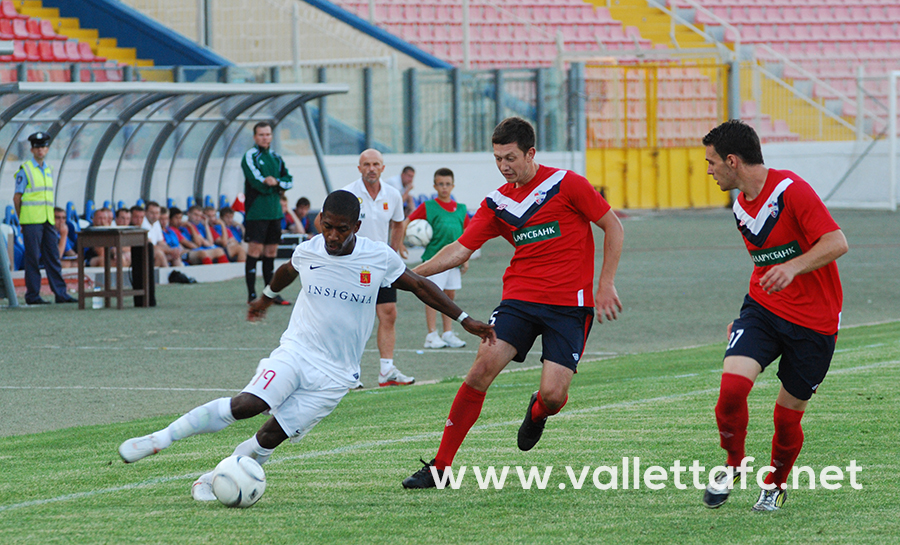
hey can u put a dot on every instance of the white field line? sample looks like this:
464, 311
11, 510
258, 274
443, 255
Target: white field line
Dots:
411, 438
268, 350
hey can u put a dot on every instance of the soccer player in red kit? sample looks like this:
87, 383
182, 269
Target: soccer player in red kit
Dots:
548, 288
793, 308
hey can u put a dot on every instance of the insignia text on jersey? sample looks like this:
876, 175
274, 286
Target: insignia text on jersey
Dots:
343, 295
776, 255
536, 233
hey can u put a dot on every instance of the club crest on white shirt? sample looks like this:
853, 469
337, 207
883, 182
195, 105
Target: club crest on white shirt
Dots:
365, 276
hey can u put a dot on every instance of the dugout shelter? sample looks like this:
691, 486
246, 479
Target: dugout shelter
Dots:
150, 141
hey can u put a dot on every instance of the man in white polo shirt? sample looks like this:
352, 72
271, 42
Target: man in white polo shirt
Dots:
381, 214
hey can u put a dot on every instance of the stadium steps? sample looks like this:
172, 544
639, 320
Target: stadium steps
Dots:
654, 24
71, 27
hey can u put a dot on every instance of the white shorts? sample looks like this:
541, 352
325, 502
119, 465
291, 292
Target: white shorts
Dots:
298, 394
451, 279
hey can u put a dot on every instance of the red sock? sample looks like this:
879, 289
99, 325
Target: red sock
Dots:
206, 261
222, 259
463, 413
786, 443
732, 415
539, 411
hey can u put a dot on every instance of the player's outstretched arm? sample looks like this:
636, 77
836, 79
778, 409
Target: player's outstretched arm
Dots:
828, 248
451, 255
283, 277
433, 296
606, 299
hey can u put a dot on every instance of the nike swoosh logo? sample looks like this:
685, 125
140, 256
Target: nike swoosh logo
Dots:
316, 267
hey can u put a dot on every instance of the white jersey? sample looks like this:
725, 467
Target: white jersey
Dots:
335, 311
154, 231
376, 214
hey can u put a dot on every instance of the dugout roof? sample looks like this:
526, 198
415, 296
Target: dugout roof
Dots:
124, 141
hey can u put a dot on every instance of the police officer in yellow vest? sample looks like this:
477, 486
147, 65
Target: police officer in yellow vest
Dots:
33, 200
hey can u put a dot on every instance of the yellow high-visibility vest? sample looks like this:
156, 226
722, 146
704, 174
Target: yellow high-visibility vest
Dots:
37, 201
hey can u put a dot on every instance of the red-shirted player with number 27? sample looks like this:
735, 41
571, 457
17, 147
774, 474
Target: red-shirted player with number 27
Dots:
548, 288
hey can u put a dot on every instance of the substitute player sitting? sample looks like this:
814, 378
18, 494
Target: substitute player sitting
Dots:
793, 309
548, 288
317, 362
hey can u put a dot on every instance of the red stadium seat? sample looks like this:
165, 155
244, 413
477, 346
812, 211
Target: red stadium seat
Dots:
8, 11
47, 32
6, 30
74, 53
45, 50
87, 55
20, 29
59, 52
31, 52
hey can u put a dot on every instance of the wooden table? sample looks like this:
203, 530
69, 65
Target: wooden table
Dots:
118, 238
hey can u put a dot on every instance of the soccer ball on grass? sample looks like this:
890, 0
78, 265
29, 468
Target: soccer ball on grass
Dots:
418, 233
238, 481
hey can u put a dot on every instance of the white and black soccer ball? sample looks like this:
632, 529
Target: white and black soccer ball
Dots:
418, 233
238, 481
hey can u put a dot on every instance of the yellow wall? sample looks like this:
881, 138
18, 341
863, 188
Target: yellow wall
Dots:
654, 178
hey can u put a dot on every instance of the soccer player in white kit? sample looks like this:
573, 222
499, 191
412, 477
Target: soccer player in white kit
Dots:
318, 359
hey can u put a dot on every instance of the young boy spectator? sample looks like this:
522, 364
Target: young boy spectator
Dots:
448, 220
67, 255
236, 229
301, 210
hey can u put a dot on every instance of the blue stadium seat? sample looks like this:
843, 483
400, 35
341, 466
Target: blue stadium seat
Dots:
107, 204
120, 205
223, 201
191, 202
170, 202
89, 211
208, 201
140, 202
18, 240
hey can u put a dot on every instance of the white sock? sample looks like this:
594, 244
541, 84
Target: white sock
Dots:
251, 448
386, 365
212, 417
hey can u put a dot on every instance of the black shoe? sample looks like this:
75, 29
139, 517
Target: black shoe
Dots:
66, 299
37, 302
279, 300
717, 494
178, 277
530, 431
251, 298
423, 477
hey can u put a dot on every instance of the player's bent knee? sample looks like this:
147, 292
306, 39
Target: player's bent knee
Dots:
245, 405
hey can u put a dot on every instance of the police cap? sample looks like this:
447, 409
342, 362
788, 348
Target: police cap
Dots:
39, 139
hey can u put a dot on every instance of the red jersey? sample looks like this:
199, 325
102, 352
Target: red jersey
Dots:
785, 220
548, 220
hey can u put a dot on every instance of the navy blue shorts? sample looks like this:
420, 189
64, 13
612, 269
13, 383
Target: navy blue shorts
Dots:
763, 336
563, 330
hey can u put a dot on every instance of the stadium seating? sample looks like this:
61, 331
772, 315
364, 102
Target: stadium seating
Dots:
828, 38
503, 34
39, 40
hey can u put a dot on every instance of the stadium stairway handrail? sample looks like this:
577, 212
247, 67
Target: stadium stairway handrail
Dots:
383, 36
771, 53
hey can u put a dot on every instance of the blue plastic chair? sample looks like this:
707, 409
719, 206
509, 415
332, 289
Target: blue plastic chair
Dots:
140, 202
170, 202
208, 201
223, 201
120, 205
108, 204
190, 202
89, 211
18, 240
